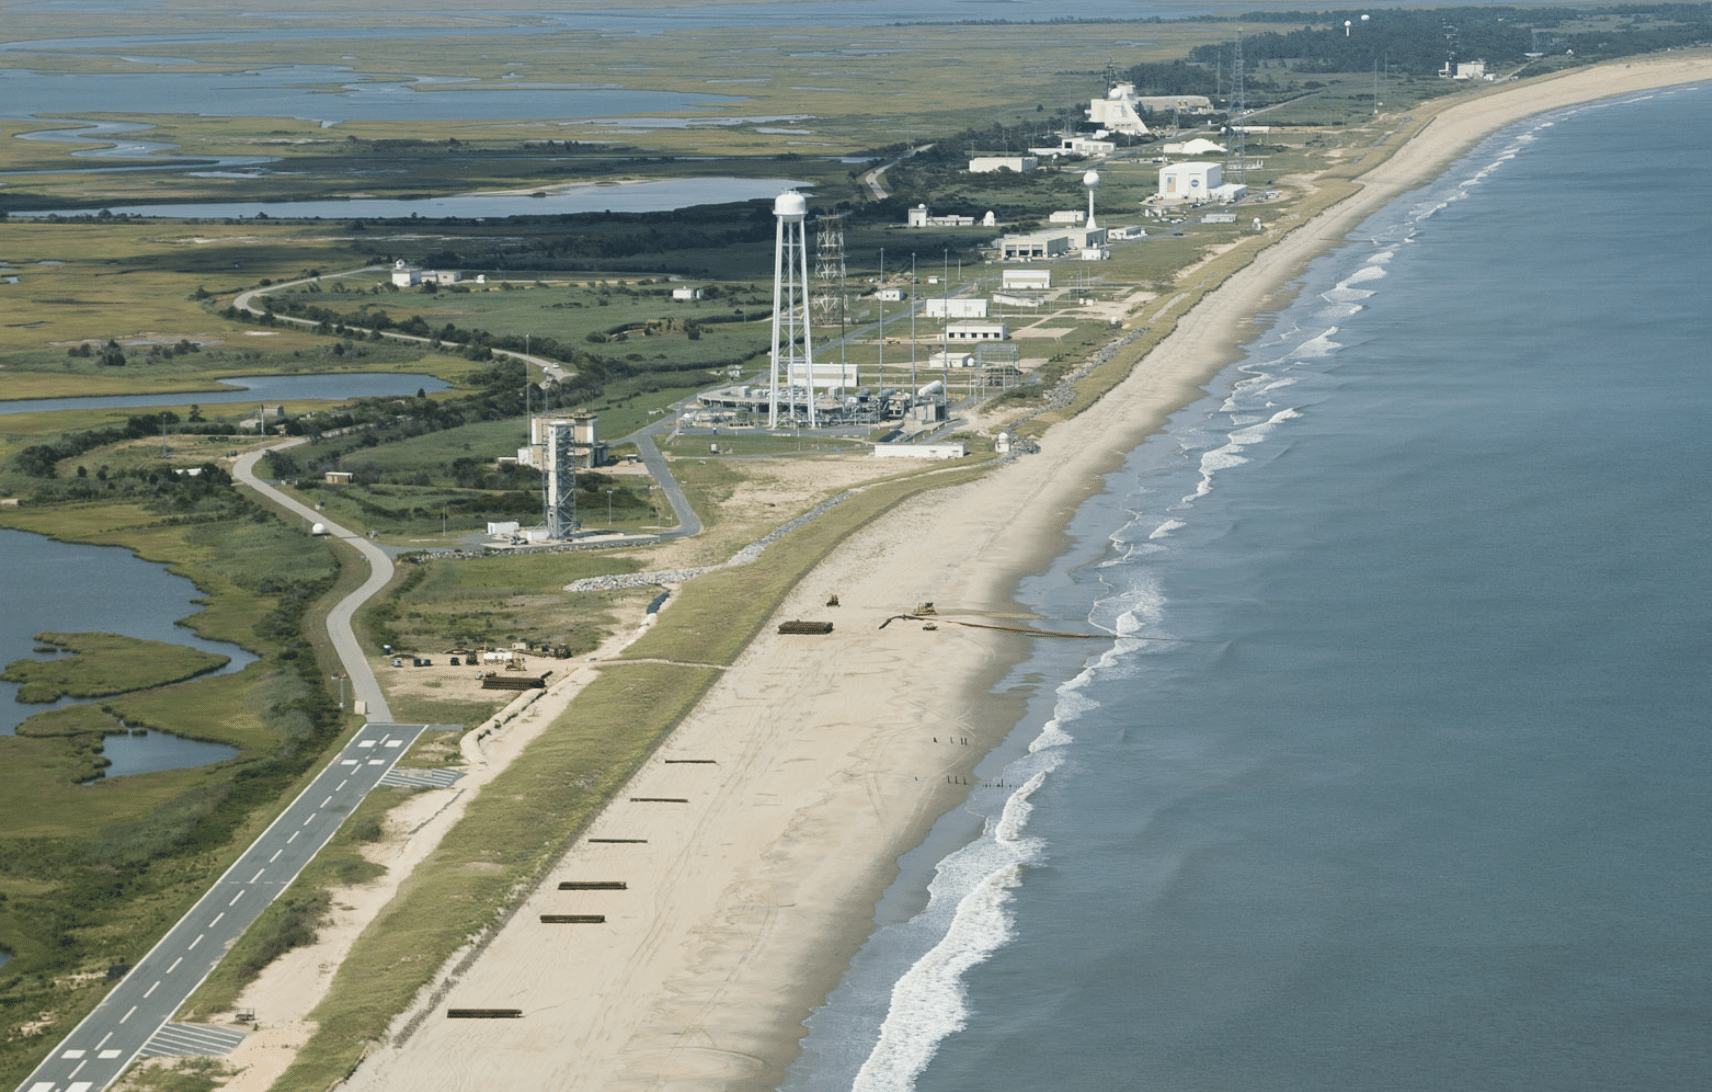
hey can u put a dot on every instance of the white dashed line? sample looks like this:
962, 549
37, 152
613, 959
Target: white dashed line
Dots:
259, 872
74, 1070
103, 1041
291, 839
151, 989
169, 970
327, 801
275, 856
343, 783
127, 1015
235, 899
192, 947
217, 918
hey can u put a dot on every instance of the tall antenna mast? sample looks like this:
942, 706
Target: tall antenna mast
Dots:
1239, 128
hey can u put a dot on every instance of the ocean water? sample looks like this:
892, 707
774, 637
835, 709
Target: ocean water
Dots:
1398, 771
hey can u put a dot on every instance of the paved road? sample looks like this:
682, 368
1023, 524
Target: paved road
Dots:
137, 1010
245, 301
364, 687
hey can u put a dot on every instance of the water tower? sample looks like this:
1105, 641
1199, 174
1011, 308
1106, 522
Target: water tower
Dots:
792, 363
1090, 180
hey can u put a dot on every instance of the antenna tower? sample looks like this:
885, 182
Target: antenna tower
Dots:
1239, 127
829, 293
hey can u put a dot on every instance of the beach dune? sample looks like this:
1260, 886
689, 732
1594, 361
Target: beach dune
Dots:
751, 870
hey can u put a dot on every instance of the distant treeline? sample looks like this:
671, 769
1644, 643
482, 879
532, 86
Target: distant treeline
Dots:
1419, 42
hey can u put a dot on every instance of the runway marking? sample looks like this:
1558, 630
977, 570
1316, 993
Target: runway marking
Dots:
193, 944
366, 743
217, 918
127, 1015
310, 818
327, 801
151, 989
342, 784
235, 899
348, 762
377, 762
41, 1086
74, 1054
169, 970
80, 1086
259, 872
109, 1055
275, 856
103, 1041
395, 743
291, 839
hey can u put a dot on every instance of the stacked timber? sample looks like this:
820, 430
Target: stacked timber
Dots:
805, 627
497, 681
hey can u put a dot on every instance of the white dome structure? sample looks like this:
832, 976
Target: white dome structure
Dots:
1090, 180
790, 206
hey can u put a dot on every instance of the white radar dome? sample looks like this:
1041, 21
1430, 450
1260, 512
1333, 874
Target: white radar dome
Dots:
318, 529
1091, 179
790, 205
1115, 93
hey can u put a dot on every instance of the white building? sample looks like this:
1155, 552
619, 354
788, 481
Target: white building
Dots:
919, 217
1016, 299
889, 295
1229, 193
955, 307
1118, 112
977, 331
1194, 104
920, 451
404, 274
1038, 244
1192, 182
686, 293
1471, 70
1075, 145
584, 448
1026, 278
1067, 216
1198, 146
989, 164
951, 360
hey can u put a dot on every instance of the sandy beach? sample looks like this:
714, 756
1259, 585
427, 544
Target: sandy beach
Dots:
754, 845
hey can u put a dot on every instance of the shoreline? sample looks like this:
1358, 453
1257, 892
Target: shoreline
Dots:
742, 908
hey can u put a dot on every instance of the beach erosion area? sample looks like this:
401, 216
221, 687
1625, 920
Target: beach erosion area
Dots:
754, 846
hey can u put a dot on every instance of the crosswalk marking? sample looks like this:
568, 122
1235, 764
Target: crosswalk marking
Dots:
188, 1040
421, 779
